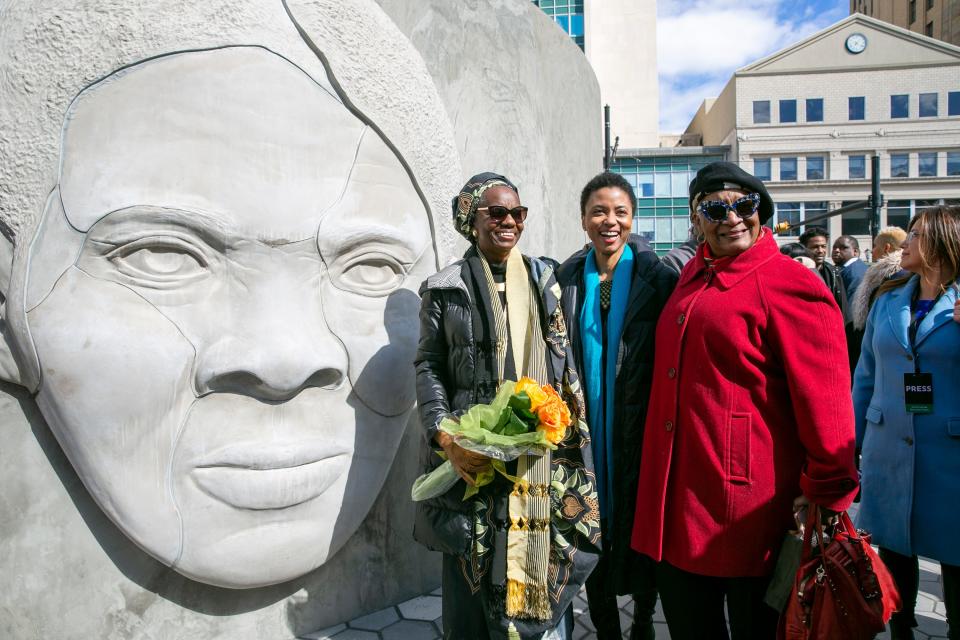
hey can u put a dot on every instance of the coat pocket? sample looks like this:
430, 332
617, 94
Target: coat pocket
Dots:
874, 414
738, 448
953, 427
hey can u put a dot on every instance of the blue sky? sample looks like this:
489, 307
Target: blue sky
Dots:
700, 43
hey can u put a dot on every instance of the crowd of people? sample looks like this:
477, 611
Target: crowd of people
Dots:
717, 392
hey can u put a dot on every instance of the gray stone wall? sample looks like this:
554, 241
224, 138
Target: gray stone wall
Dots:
523, 102
488, 84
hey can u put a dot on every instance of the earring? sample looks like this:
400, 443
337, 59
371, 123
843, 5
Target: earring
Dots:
474, 233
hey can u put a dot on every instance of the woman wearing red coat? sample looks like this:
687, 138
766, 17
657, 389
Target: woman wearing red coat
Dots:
750, 412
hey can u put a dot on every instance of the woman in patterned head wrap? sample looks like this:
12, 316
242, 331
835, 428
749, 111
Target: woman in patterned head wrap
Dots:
509, 566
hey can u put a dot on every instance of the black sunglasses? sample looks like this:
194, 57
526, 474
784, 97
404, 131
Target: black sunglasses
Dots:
716, 210
498, 213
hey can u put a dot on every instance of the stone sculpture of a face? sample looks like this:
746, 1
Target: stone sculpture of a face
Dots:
221, 299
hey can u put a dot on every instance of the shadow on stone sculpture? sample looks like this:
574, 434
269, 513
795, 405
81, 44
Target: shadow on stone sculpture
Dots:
214, 311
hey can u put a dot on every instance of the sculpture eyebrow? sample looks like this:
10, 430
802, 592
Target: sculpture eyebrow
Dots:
342, 240
210, 226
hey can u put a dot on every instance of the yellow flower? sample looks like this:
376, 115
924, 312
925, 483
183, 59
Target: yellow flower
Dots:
554, 416
533, 391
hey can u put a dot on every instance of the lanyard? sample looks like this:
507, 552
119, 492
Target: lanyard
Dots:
916, 317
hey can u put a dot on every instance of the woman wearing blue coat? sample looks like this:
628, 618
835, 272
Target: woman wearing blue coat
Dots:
906, 394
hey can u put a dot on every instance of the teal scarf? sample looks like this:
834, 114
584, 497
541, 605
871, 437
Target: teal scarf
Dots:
601, 373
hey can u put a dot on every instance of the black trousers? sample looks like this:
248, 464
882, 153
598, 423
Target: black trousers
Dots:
906, 573
693, 606
604, 612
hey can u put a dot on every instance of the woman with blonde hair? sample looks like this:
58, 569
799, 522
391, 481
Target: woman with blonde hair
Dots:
908, 415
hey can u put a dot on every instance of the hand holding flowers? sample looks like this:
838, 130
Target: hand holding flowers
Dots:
524, 418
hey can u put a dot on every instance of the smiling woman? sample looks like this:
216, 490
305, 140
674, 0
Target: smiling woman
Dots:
744, 426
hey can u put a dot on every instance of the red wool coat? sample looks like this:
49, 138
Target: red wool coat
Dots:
750, 407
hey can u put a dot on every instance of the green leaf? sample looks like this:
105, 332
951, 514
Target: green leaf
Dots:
515, 426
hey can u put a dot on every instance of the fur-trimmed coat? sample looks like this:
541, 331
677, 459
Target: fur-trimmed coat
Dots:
879, 272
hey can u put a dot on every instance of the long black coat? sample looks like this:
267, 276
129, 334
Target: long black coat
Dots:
653, 282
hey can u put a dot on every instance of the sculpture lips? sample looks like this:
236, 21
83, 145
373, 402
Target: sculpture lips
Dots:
265, 477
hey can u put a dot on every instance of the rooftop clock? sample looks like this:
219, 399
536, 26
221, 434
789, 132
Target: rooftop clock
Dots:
856, 43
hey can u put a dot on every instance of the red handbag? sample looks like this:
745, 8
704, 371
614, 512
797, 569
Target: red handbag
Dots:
841, 590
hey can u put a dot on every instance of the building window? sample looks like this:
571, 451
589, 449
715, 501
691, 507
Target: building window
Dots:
856, 108
814, 109
898, 213
761, 111
794, 212
929, 4
662, 184
928, 30
788, 168
761, 168
928, 105
953, 163
927, 166
856, 222
900, 106
814, 167
858, 167
913, 11
899, 165
789, 212
953, 103
788, 111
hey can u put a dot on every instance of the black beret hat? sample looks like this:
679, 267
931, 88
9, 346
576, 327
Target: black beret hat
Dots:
721, 176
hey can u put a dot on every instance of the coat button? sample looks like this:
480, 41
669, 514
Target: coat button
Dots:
668, 425
681, 318
909, 357
909, 441
671, 373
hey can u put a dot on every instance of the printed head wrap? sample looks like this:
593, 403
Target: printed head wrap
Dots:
466, 202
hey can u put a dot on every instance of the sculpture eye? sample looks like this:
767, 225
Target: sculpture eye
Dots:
372, 275
159, 260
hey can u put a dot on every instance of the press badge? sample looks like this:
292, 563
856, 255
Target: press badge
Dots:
918, 392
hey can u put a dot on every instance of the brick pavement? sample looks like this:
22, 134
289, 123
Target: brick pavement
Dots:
419, 618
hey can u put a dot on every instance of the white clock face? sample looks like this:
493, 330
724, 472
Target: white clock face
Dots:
856, 43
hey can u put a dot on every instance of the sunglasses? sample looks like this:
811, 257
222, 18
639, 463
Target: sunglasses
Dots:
716, 210
497, 213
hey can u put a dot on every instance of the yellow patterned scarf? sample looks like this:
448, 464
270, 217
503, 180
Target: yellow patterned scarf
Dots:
528, 539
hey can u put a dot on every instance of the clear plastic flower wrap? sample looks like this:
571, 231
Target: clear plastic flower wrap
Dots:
523, 419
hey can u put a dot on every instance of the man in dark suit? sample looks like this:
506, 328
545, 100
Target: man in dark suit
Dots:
846, 255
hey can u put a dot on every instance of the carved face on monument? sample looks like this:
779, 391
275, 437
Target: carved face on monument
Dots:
221, 299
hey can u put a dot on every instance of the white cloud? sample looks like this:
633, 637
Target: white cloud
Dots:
679, 101
716, 40
701, 43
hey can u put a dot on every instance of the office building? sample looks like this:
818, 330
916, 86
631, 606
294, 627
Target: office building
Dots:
938, 19
619, 38
808, 118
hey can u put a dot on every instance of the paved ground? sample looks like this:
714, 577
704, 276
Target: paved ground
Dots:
419, 619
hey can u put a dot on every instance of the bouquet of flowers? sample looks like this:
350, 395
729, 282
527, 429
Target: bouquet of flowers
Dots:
523, 419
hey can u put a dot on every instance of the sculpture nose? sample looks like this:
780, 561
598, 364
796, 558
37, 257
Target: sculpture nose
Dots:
278, 345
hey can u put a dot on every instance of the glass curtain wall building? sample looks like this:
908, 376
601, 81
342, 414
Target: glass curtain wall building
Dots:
661, 182
568, 14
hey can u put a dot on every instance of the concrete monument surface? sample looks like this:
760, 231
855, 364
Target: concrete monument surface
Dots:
218, 214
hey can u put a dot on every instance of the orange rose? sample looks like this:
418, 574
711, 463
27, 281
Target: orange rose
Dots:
554, 416
533, 391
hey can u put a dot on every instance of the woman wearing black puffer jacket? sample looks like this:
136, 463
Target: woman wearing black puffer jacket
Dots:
494, 316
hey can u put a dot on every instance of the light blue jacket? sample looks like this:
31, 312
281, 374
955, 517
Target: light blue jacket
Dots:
910, 462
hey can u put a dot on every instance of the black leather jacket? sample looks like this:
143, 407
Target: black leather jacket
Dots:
653, 282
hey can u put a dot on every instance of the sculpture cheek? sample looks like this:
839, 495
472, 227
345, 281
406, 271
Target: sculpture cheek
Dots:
380, 335
115, 388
